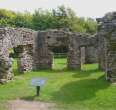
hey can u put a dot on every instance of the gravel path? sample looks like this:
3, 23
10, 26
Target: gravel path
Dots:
29, 105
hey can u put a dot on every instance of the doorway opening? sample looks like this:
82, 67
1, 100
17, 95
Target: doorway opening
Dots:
60, 57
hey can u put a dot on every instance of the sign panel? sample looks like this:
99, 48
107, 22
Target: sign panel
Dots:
38, 81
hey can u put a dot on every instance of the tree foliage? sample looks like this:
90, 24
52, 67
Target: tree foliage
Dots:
60, 17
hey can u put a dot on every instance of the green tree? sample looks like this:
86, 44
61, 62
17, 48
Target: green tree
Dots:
23, 20
7, 17
42, 19
90, 25
61, 17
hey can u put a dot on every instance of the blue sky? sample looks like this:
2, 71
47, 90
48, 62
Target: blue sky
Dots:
83, 8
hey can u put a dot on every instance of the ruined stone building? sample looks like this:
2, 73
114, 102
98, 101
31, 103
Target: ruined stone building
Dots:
35, 48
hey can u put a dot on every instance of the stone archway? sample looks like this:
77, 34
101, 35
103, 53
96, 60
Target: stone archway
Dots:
89, 55
44, 42
9, 38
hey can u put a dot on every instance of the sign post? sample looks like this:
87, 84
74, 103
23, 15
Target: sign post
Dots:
38, 82
37, 90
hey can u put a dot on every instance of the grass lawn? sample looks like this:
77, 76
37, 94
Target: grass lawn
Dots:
69, 89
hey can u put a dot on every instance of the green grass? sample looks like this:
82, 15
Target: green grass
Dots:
68, 89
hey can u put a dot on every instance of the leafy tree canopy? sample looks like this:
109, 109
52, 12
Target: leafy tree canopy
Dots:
61, 17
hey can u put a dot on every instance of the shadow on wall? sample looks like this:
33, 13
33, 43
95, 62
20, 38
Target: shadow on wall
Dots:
80, 90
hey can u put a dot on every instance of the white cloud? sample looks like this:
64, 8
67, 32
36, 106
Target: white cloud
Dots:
86, 8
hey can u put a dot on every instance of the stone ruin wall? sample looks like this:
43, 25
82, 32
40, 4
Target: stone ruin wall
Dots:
87, 47
25, 59
42, 57
15, 37
107, 32
34, 49
91, 55
44, 41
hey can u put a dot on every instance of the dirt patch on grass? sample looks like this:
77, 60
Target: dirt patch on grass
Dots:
29, 105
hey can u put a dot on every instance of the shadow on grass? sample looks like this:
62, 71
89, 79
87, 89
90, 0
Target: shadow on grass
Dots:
80, 90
